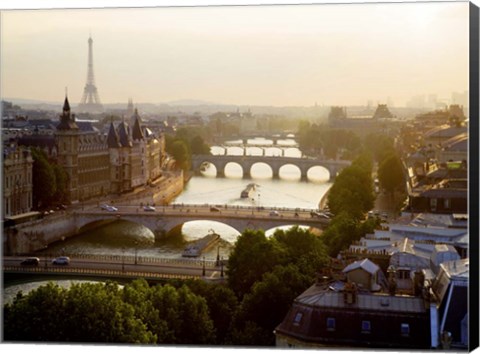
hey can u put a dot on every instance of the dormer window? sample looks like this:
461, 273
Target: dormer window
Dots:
366, 327
330, 324
405, 330
297, 319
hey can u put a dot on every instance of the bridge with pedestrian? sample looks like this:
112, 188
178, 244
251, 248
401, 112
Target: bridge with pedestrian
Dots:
275, 162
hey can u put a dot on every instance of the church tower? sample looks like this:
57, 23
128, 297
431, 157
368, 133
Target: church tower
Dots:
67, 137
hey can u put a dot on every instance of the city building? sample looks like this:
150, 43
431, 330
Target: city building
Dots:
419, 308
99, 164
451, 293
17, 180
450, 196
347, 313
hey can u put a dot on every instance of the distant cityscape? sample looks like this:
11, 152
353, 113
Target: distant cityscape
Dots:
383, 263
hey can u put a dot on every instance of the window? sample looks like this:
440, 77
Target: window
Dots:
297, 319
433, 204
405, 329
366, 327
446, 203
330, 324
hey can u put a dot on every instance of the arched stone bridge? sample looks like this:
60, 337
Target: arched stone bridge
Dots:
275, 163
162, 221
38, 234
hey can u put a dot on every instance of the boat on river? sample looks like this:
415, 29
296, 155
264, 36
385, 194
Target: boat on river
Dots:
249, 191
195, 249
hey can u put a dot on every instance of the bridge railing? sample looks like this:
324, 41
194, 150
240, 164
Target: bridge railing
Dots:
129, 259
97, 272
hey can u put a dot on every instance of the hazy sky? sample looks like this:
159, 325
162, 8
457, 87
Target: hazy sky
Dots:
248, 55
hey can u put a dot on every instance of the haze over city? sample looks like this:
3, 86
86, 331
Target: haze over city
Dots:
250, 55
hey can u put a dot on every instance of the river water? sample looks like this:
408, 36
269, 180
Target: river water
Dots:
288, 191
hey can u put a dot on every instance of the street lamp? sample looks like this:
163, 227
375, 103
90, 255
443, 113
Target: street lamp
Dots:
221, 268
46, 256
203, 270
123, 259
218, 255
136, 245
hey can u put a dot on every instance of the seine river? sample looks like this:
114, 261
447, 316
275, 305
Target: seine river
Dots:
288, 191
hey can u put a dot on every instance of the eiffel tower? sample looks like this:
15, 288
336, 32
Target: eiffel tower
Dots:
90, 102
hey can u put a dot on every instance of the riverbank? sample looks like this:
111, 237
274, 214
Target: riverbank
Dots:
323, 202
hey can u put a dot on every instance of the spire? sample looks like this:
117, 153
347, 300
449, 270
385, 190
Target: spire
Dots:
66, 105
67, 120
112, 137
137, 133
123, 135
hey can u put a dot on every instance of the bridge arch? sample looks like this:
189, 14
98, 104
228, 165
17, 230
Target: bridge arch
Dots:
256, 165
227, 232
323, 173
274, 151
290, 175
333, 166
95, 223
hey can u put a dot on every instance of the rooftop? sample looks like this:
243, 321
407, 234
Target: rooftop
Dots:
326, 296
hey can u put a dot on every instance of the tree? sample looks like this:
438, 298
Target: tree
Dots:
221, 301
61, 179
198, 146
378, 145
352, 192
344, 229
390, 173
302, 248
44, 183
252, 256
270, 299
87, 312
180, 153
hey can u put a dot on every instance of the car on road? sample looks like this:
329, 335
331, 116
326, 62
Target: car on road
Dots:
104, 206
111, 208
214, 209
35, 261
274, 213
148, 208
61, 260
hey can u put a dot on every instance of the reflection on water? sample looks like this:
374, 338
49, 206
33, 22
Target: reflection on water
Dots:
127, 238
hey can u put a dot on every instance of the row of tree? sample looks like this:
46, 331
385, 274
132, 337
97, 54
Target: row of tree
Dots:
350, 198
49, 181
264, 276
319, 139
185, 143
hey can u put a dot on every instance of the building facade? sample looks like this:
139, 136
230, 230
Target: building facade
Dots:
100, 164
17, 180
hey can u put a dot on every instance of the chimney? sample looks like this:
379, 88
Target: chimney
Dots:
350, 293
418, 281
392, 281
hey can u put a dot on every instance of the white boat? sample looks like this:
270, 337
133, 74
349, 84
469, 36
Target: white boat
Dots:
249, 190
195, 249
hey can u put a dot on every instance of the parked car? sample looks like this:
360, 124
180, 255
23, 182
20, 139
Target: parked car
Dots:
274, 213
31, 261
148, 208
61, 261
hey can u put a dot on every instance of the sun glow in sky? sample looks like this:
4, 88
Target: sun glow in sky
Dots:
254, 55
